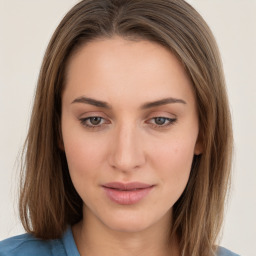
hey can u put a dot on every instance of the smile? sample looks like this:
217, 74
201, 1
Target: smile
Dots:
127, 194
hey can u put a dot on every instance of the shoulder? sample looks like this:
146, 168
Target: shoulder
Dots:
225, 252
27, 245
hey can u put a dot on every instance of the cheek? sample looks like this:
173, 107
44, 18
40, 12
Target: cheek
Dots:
177, 152
84, 154
85, 162
174, 160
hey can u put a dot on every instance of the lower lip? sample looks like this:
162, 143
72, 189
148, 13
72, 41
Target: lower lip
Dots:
127, 197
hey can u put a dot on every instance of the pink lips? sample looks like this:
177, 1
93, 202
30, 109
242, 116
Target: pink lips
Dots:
126, 193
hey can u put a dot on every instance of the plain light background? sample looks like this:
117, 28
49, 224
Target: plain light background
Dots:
25, 29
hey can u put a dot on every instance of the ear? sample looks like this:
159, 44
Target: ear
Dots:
198, 150
60, 139
61, 144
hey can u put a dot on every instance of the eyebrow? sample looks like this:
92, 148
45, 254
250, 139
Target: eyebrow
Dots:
103, 104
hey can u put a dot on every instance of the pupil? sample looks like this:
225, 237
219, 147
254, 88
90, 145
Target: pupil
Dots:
160, 120
95, 120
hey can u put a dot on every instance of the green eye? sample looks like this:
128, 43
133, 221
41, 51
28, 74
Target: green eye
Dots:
162, 122
95, 120
92, 121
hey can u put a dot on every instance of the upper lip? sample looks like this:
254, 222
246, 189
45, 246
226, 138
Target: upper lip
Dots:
126, 186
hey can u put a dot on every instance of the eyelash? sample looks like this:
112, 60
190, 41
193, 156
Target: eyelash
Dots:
170, 122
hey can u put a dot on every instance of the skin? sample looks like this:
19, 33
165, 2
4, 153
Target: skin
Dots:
128, 144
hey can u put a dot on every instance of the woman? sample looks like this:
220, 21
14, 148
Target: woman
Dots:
129, 146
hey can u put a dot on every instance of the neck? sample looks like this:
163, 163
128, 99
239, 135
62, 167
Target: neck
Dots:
94, 238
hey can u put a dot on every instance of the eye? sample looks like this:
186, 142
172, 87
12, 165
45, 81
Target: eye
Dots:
92, 121
97, 122
162, 122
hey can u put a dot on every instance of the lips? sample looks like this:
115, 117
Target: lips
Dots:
127, 193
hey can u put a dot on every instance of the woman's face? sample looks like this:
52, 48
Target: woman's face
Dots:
130, 128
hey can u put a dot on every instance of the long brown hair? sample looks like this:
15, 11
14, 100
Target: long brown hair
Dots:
48, 200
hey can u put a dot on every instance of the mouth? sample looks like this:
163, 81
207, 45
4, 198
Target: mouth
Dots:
127, 193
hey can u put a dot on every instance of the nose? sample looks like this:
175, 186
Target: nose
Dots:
127, 152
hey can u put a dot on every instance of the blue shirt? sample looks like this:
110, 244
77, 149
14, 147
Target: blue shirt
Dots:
27, 245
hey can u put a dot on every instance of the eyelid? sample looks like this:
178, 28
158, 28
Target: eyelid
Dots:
167, 122
170, 122
92, 114
84, 119
160, 113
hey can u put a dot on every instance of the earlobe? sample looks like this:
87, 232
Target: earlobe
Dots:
60, 144
60, 140
198, 148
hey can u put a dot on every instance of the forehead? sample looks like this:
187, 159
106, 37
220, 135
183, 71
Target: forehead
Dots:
124, 68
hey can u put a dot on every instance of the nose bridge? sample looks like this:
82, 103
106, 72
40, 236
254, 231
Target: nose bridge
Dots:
127, 152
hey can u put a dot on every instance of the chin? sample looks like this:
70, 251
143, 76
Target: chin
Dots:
130, 222
127, 226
